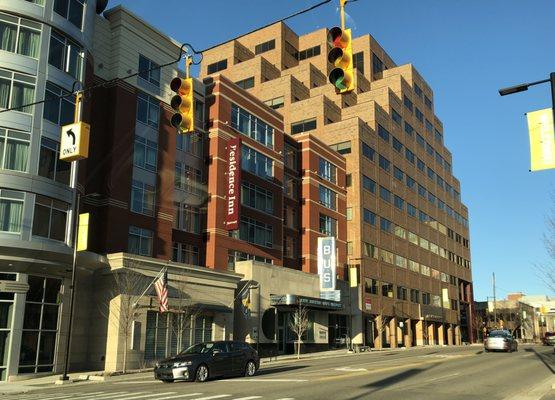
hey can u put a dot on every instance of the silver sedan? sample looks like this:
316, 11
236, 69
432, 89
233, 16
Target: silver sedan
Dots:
500, 340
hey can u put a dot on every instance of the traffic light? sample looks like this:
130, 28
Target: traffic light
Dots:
183, 104
341, 56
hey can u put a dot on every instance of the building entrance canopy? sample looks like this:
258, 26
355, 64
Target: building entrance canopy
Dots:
293, 300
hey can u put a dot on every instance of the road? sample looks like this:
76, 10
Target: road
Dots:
425, 373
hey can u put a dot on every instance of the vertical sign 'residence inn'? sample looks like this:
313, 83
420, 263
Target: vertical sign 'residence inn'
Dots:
326, 263
233, 183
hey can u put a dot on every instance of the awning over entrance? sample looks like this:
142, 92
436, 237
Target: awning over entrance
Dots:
293, 300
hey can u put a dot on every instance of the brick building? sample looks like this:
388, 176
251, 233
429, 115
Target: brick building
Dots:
407, 228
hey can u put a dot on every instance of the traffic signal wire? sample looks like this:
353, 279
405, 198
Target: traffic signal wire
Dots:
186, 49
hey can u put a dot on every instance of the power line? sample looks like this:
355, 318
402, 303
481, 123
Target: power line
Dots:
182, 51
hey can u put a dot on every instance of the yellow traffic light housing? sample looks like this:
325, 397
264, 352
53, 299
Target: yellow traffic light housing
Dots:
183, 104
341, 56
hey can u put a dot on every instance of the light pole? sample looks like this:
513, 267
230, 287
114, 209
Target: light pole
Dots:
524, 87
350, 327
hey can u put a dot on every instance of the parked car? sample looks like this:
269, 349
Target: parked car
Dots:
549, 339
209, 360
500, 340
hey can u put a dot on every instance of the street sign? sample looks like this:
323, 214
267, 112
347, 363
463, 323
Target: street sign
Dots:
74, 143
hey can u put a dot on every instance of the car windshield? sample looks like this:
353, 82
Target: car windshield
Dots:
498, 334
200, 348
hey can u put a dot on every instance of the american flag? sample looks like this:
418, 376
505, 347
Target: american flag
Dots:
161, 286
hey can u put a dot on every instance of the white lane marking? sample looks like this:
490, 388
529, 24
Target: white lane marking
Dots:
248, 398
65, 396
350, 369
442, 377
115, 395
286, 398
102, 395
178, 396
263, 380
134, 396
219, 396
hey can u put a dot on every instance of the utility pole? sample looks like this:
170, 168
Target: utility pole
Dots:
494, 303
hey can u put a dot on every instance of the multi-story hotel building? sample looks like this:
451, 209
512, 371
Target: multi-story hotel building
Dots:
407, 228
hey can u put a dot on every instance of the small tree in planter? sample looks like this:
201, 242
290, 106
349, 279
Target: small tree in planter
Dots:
299, 325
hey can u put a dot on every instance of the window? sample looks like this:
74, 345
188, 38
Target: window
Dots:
255, 232
149, 70
16, 91
420, 140
246, 83
409, 155
409, 130
385, 194
386, 256
431, 174
264, 47
413, 238
217, 66
185, 253
14, 150
440, 182
145, 153
420, 164
387, 289
369, 217
11, 211
424, 243
419, 115
422, 216
417, 90
411, 183
188, 178
327, 170
431, 198
377, 66
50, 218
370, 286
252, 126
303, 126
427, 102
400, 232
414, 296
290, 186
18, 35
397, 146
414, 266
398, 174
291, 50
328, 225
235, 256
369, 250
58, 110
429, 149
429, 126
72, 10
349, 213
425, 298
342, 148
411, 210
383, 133
148, 109
50, 165
290, 247
308, 53
385, 164
368, 184
386, 225
256, 163
142, 198
421, 190
187, 218
407, 103
401, 293
257, 197
275, 103
140, 241
40, 325
438, 136
368, 151
399, 203
358, 61
66, 55
396, 117
327, 197
290, 219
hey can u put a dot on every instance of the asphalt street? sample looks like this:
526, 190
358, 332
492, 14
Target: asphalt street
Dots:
424, 373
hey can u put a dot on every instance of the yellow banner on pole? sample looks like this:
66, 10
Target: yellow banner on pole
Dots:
542, 139
83, 233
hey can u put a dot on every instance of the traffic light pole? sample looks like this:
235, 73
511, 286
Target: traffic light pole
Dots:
342, 12
73, 238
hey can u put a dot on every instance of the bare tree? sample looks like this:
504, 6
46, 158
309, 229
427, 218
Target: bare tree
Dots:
299, 325
478, 323
546, 271
126, 289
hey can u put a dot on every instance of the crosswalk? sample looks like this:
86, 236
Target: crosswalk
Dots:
128, 395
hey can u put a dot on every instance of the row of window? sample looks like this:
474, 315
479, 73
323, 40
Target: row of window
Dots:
252, 126
19, 35
256, 163
188, 178
187, 218
254, 232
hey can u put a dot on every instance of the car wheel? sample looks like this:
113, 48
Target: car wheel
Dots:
202, 373
250, 368
167, 380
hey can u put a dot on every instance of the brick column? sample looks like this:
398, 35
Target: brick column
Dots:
441, 334
450, 335
419, 333
431, 333
393, 332
458, 335
408, 333
378, 332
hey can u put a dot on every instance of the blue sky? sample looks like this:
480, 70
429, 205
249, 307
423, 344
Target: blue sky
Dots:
466, 50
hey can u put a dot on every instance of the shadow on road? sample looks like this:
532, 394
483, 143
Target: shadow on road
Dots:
544, 358
275, 370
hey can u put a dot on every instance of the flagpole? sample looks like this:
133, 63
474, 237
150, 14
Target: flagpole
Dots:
149, 286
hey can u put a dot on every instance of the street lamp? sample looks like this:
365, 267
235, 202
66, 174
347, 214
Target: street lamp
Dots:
74, 227
524, 87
